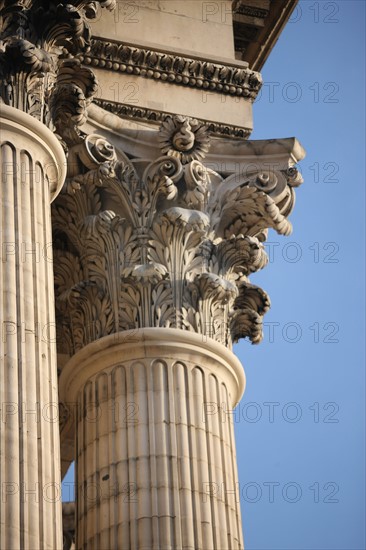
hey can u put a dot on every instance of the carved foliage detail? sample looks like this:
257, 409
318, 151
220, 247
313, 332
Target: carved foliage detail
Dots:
162, 244
37, 41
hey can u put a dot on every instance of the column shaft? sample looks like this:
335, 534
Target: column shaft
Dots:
32, 165
156, 466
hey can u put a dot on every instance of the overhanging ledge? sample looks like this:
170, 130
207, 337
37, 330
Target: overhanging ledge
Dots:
225, 153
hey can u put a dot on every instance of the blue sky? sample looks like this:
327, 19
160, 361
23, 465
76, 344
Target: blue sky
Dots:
300, 426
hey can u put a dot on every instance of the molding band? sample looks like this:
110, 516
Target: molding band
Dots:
132, 345
172, 68
23, 124
144, 114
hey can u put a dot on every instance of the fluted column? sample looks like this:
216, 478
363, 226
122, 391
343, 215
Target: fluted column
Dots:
153, 257
32, 171
156, 466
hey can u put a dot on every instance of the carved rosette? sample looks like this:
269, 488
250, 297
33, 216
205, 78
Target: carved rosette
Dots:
168, 243
38, 74
184, 138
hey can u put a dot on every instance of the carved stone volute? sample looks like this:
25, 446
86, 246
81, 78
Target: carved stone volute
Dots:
163, 243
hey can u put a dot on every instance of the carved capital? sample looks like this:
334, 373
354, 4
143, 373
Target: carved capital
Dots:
37, 71
163, 243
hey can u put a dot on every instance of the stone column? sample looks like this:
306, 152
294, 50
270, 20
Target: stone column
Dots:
152, 289
33, 167
43, 89
156, 465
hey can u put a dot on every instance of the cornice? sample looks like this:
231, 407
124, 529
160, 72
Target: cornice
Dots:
173, 68
124, 110
257, 27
